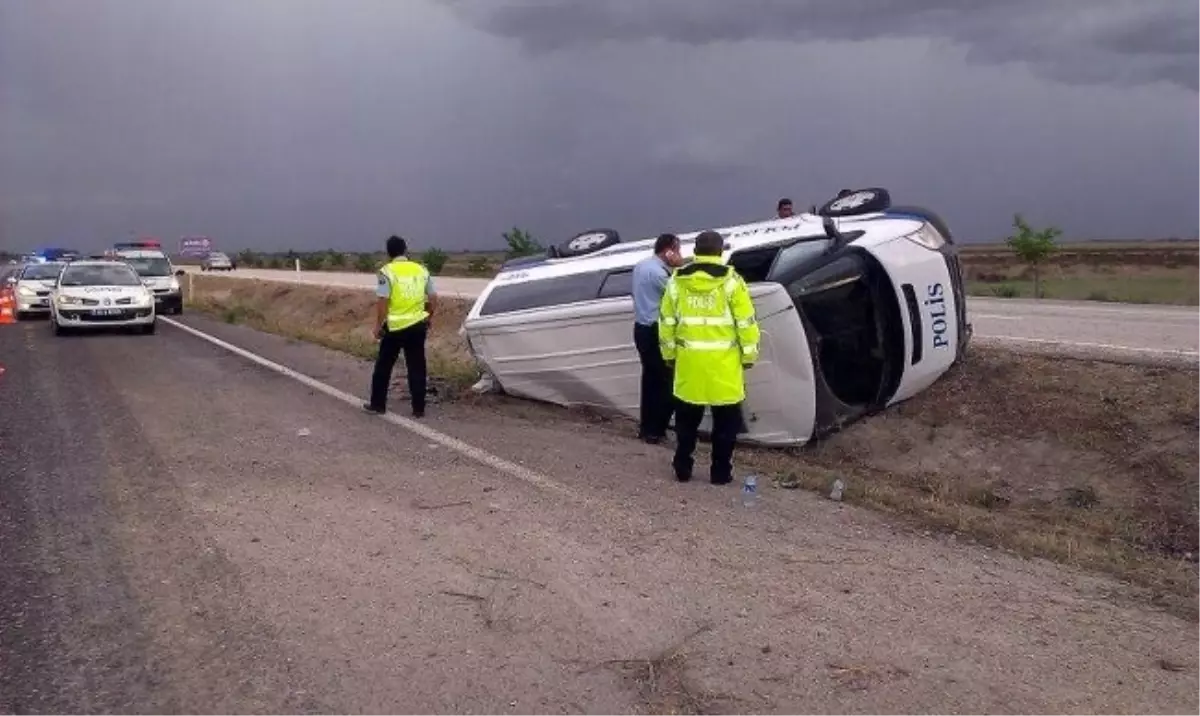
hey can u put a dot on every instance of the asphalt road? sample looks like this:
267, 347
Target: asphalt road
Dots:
1083, 328
185, 530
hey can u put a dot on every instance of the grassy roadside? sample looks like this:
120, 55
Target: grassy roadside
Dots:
1162, 289
1086, 463
335, 318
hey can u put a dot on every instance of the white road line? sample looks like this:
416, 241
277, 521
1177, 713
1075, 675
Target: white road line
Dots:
482, 456
1105, 346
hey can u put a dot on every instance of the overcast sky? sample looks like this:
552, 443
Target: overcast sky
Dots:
305, 124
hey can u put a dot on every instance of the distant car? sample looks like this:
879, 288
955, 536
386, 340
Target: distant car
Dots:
217, 261
32, 285
157, 273
107, 293
860, 304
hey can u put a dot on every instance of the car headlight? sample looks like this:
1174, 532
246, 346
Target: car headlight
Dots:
928, 237
25, 291
174, 284
67, 300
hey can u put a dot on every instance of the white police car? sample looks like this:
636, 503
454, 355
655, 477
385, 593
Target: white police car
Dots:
101, 293
158, 274
860, 305
32, 284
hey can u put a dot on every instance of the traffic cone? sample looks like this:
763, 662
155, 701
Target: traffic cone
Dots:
7, 301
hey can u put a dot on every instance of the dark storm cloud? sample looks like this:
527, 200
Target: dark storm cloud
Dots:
1075, 41
316, 123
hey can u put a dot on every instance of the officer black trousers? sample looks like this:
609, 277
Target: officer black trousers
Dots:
410, 341
657, 402
726, 424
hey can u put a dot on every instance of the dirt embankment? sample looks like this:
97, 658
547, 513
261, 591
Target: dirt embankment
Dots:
1085, 462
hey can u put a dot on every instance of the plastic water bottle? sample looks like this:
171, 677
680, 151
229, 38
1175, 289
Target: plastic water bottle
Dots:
750, 491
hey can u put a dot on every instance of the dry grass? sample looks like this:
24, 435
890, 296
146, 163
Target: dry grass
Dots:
1180, 287
332, 317
1084, 462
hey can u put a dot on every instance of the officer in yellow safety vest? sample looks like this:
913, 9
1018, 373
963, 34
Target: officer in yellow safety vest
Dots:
402, 313
707, 329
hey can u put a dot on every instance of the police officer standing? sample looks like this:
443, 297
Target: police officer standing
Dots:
707, 328
406, 302
650, 277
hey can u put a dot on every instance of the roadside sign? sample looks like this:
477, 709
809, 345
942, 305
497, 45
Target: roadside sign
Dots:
195, 246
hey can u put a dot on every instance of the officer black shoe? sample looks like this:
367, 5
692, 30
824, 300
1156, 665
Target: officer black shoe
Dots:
418, 413
372, 409
721, 479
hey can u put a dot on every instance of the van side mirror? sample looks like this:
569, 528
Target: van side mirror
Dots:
179, 272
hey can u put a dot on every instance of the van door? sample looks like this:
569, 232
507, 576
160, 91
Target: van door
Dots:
929, 311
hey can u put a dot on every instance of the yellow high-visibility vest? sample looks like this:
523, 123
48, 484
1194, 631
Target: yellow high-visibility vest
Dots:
406, 300
707, 327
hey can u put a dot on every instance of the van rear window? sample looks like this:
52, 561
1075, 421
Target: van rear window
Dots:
540, 294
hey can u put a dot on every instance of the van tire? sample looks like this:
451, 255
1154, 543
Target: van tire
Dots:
863, 201
587, 242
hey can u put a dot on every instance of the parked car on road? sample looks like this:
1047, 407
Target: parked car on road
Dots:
861, 305
102, 293
217, 261
158, 274
32, 285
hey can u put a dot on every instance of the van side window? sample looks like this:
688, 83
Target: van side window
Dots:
792, 259
541, 293
617, 284
753, 264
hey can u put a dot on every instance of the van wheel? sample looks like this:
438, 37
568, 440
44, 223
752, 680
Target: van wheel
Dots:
589, 242
149, 328
59, 329
859, 201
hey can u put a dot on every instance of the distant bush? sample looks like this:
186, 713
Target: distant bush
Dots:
1006, 291
434, 260
479, 264
365, 263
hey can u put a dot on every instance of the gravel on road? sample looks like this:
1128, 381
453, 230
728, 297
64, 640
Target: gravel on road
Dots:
183, 530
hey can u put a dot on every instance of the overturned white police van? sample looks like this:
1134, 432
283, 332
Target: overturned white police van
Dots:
860, 306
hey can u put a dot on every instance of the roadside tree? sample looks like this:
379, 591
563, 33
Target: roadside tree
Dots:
1033, 248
